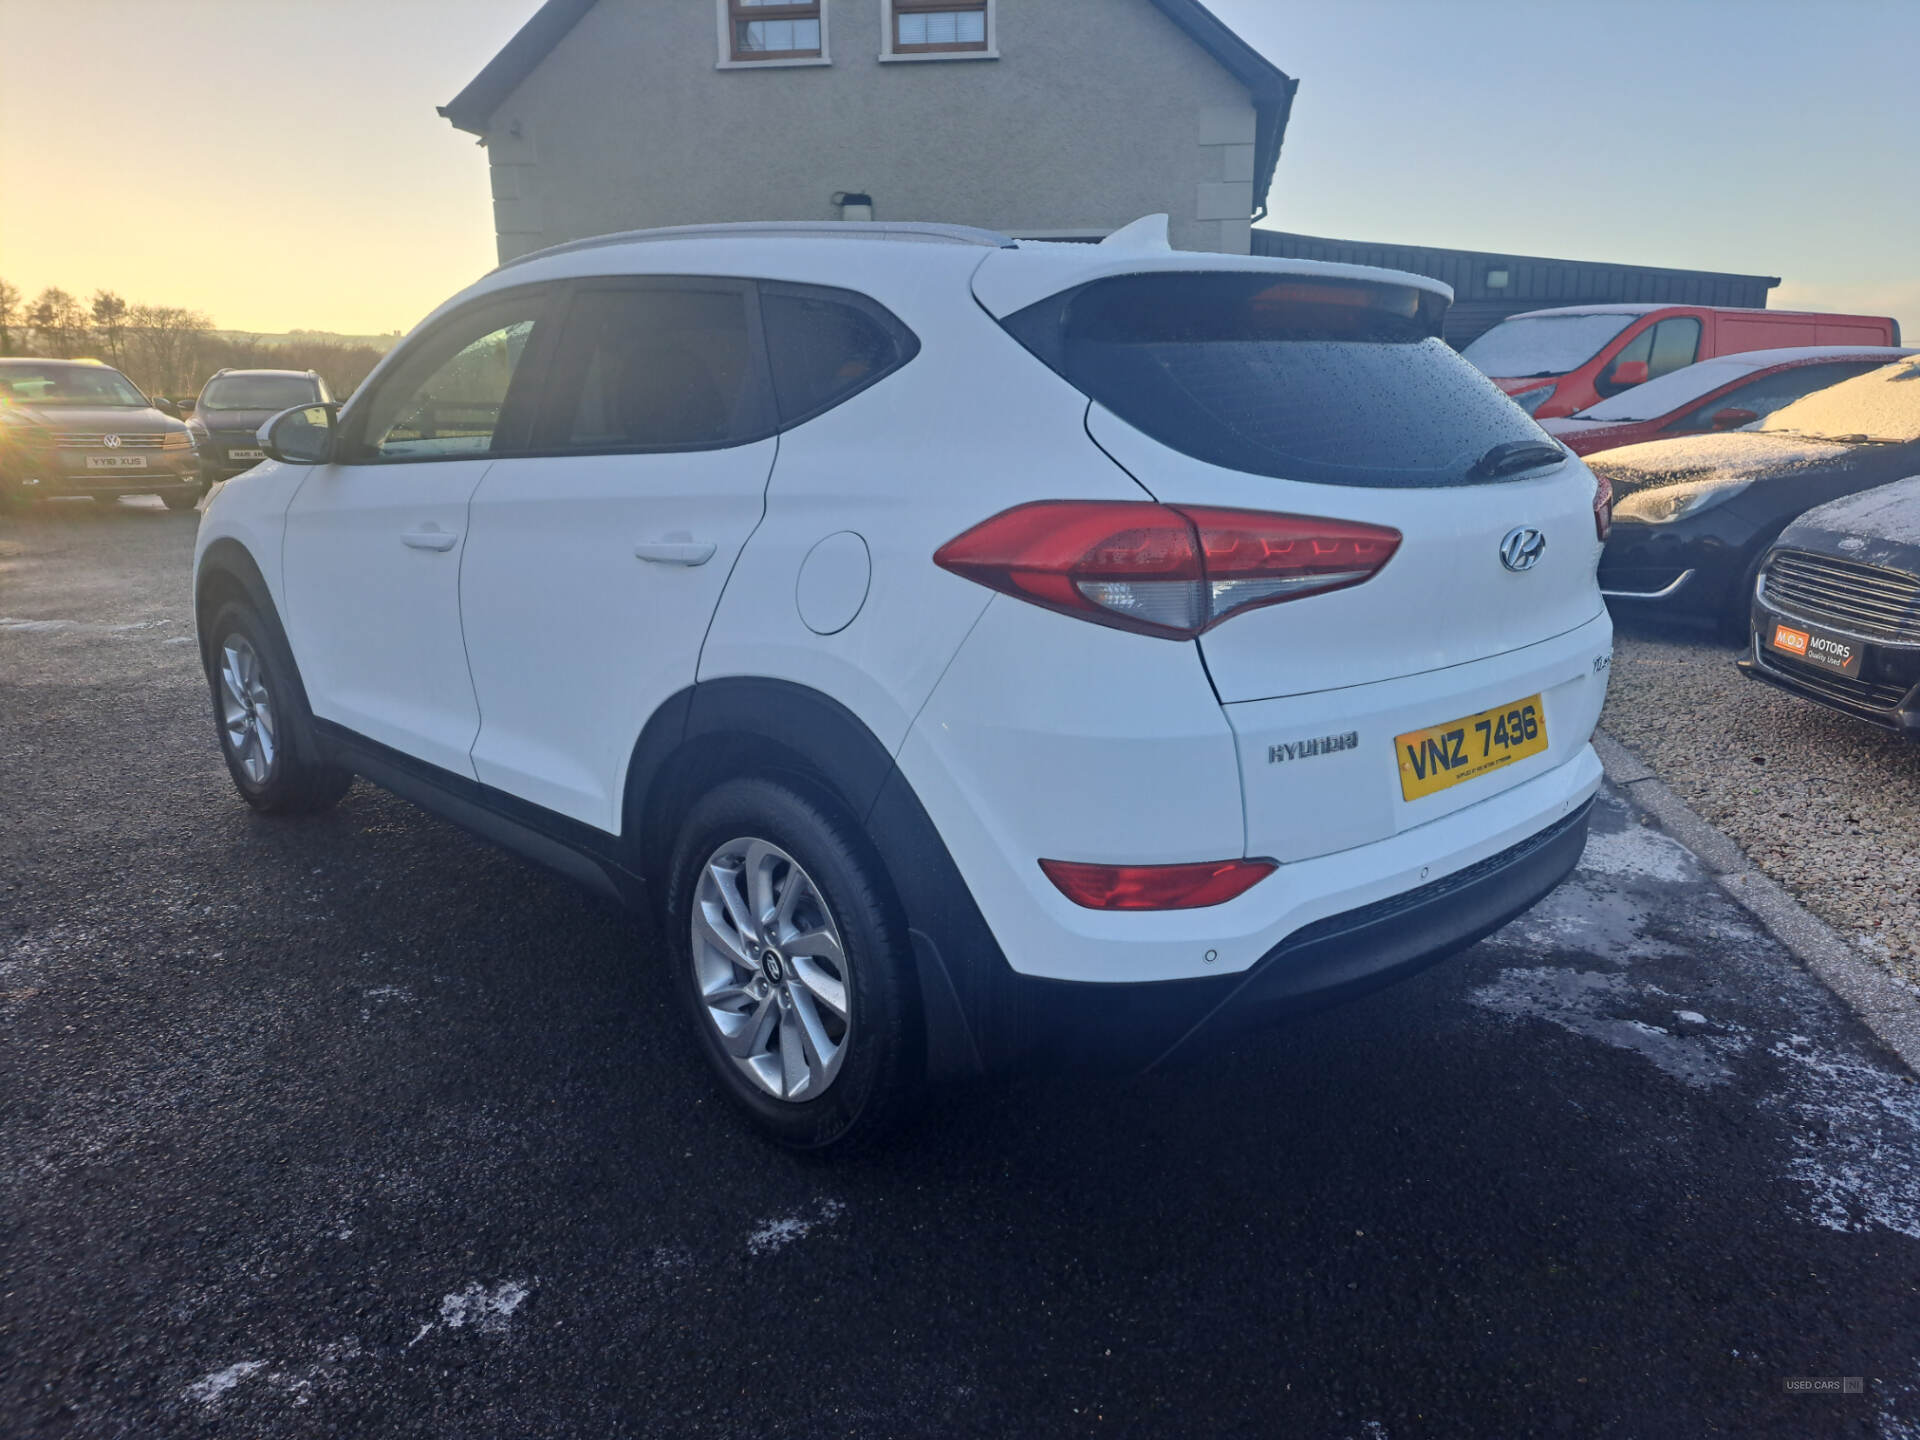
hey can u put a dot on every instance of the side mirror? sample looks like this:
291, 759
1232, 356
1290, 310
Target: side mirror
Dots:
1732, 418
300, 436
166, 406
1629, 372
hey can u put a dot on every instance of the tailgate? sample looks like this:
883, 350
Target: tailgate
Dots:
1444, 599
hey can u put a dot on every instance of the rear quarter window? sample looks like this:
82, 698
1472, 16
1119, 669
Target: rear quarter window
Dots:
825, 346
1332, 382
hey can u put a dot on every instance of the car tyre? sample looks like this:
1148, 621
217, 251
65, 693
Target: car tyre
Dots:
260, 714
793, 965
182, 499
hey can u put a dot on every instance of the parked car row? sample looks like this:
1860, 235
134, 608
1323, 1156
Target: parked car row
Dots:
1559, 362
81, 428
1774, 493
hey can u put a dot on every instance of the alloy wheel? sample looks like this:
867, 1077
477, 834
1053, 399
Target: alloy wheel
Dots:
246, 710
771, 969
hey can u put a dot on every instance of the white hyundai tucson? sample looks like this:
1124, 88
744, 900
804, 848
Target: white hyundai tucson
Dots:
977, 652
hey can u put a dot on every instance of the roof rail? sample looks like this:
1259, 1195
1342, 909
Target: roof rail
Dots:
906, 230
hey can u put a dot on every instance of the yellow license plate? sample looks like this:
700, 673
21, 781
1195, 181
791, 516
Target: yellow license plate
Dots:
1460, 750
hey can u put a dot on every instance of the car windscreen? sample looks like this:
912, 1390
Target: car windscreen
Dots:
28, 384
1544, 344
1883, 404
258, 392
1332, 381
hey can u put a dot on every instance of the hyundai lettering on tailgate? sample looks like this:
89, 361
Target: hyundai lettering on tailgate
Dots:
1465, 749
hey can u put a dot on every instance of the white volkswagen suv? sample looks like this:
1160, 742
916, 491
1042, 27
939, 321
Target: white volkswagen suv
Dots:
977, 651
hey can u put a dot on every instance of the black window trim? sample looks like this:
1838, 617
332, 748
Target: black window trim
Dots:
530, 416
516, 411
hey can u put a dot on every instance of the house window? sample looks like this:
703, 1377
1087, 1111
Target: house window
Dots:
938, 27
773, 30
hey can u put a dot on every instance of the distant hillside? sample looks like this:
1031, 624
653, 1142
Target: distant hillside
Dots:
381, 343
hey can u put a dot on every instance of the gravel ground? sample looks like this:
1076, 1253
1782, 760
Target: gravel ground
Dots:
1827, 806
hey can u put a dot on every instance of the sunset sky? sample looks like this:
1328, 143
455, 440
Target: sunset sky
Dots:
279, 164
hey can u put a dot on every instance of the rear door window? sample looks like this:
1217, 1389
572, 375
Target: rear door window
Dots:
1330, 381
826, 346
655, 365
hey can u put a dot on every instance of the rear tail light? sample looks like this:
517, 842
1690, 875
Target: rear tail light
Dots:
1602, 506
1156, 887
1166, 570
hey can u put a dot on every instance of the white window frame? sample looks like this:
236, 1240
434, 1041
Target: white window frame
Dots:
723, 27
888, 56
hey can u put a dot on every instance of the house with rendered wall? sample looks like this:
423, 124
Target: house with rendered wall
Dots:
1038, 118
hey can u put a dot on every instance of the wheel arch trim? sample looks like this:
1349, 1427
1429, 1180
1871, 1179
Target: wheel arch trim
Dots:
786, 725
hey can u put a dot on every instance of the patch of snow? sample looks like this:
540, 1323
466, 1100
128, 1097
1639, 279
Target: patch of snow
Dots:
1639, 852
1585, 1002
485, 1310
1725, 456
1600, 921
1857, 1137
1884, 403
776, 1235
1692, 1017
1886, 512
209, 1389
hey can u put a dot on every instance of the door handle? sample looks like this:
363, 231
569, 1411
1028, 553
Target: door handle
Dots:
430, 538
675, 552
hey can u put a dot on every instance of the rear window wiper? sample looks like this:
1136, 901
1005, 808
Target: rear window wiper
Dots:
1513, 456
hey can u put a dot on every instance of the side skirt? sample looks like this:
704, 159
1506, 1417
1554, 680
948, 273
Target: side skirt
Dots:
583, 854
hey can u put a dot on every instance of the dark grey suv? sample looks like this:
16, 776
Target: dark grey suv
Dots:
235, 404
80, 427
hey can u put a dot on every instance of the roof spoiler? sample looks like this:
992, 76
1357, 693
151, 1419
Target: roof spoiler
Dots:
1145, 236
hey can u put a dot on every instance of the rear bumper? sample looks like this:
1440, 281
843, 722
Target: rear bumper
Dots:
1048, 1023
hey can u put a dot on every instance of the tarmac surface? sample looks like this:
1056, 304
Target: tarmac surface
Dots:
356, 1126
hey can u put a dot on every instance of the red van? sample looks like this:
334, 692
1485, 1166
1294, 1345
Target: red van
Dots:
1554, 362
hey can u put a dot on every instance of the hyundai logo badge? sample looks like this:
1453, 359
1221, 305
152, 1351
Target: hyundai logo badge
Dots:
1522, 547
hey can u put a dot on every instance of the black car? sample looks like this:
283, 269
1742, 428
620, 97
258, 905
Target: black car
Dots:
79, 427
235, 404
1692, 517
1836, 614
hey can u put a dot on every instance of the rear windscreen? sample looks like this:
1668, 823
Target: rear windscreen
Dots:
1330, 381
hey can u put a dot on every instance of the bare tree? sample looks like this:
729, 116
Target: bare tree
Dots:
110, 324
163, 346
60, 322
9, 312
